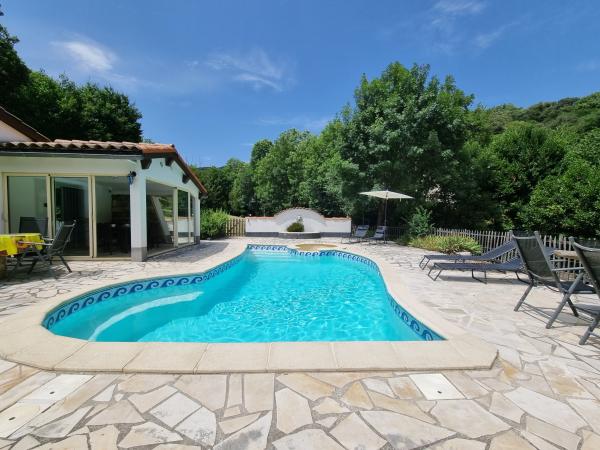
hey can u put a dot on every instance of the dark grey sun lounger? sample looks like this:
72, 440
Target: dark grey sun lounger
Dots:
488, 256
513, 265
359, 234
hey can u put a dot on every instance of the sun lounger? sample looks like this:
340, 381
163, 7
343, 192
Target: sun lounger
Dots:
489, 256
513, 265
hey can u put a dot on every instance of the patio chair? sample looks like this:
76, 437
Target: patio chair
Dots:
33, 225
52, 248
358, 235
541, 271
489, 256
514, 265
379, 235
590, 260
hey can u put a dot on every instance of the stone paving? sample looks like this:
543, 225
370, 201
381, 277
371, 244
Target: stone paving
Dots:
543, 391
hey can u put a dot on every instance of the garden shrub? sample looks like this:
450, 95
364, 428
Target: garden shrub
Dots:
419, 224
446, 244
214, 223
296, 227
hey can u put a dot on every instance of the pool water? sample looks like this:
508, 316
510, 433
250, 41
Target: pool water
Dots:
265, 297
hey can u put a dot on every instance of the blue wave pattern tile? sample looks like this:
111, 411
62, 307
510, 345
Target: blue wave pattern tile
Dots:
116, 291
101, 295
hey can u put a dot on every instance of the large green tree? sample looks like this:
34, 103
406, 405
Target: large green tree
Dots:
406, 134
569, 201
517, 160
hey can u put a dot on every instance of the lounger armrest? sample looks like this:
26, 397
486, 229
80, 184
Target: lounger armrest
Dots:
34, 243
565, 269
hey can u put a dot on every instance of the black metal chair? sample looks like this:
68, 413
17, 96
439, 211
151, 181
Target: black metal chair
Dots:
34, 225
490, 256
590, 260
52, 248
541, 271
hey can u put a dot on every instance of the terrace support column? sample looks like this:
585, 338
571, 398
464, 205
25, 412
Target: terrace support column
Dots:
137, 200
3, 208
197, 203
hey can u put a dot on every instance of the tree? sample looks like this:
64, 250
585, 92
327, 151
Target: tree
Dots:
518, 159
13, 71
61, 109
259, 150
405, 134
569, 201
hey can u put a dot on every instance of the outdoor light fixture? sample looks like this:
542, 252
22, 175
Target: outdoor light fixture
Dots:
130, 176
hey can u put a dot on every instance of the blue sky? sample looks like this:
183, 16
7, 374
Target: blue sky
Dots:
214, 77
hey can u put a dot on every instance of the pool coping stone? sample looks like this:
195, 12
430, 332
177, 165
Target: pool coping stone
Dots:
24, 340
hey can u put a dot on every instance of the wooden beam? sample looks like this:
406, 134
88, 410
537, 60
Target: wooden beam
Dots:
169, 160
146, 162
185, 178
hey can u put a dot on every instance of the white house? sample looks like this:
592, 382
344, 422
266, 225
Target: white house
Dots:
129, 200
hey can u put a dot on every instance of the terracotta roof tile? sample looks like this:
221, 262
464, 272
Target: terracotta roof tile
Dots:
107, 148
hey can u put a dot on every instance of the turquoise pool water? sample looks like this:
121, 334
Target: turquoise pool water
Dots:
267, 294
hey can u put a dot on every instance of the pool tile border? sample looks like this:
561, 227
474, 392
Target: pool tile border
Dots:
23, 339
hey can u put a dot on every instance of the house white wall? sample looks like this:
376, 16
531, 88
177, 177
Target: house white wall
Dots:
158, 172
9, 134
312, 220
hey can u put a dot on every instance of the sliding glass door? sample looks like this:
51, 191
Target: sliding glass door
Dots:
70, 201
27, 204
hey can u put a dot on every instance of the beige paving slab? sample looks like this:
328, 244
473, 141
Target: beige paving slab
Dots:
468, 418
403, 431
200, 427
209, 390
46, 351
293, 411
101, 356
366, 356
237, 423
104, 438
259, 392
250, 357
144, 402
547, 409
174, 409
286, 356
354, 433
306, 385
167, 357
145, 382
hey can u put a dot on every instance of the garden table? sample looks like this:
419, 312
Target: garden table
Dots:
13, 244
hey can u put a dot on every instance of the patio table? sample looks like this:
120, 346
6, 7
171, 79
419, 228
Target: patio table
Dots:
13, 244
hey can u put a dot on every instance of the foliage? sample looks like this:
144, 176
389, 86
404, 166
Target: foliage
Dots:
213, 222
61, 109
569, 201
517, 160
446, 244
419, 224
406, 134
296, 227
13, 71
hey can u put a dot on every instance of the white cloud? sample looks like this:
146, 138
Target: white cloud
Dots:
484, 40
256, 68
589, 66
88, 55
301, 122
459, 7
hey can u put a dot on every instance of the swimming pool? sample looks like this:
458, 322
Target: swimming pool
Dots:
267, 294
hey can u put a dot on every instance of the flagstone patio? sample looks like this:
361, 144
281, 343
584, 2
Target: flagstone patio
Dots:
543, 391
